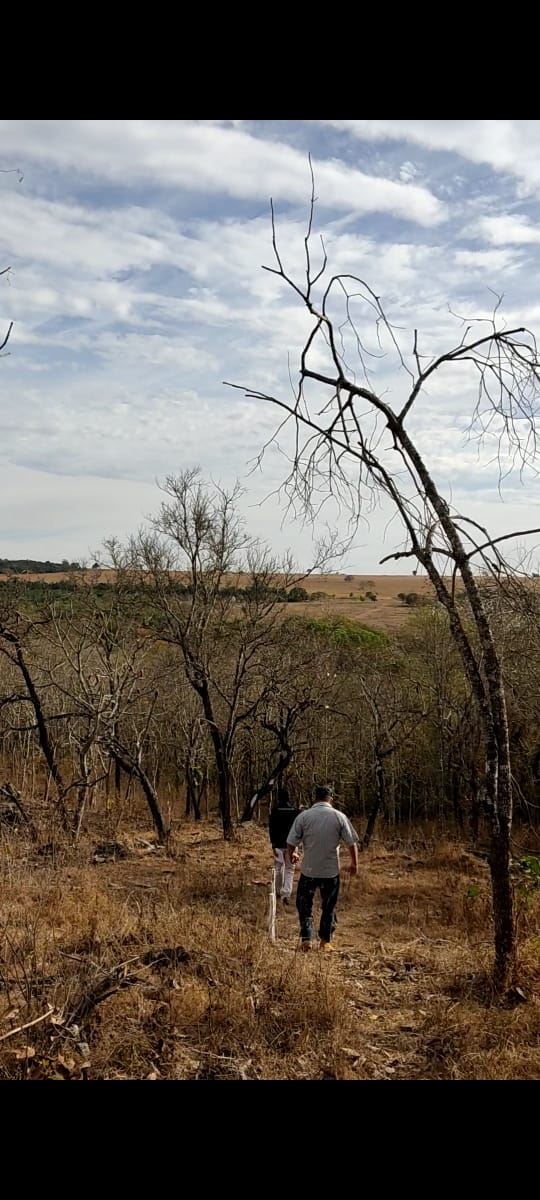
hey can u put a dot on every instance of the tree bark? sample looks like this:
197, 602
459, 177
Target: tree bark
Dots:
222, 764
44, 739
378, 803
193, 797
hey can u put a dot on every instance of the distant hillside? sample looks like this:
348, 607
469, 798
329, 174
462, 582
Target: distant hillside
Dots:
23, 566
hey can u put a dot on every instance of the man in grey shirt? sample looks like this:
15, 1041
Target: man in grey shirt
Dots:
320, 830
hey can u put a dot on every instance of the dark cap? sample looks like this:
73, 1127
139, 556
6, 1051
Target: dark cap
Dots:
324, 792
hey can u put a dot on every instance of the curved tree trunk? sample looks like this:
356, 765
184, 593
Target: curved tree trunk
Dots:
488, 687
267, 786
44, 739
378, 803
133, 768
222, 764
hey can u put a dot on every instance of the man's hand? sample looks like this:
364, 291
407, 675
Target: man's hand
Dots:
294, 857
353, 868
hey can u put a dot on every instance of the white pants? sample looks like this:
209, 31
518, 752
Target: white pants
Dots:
284, 873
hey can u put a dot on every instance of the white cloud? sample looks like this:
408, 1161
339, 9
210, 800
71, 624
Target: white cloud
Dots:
491, 261
506, 146
508, 230
201, 156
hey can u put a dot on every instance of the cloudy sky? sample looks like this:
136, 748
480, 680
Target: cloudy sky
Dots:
136, 288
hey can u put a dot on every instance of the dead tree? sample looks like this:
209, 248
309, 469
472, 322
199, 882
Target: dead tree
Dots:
15, 631
282, 729
390, 730
103, 671
352, 443
214, 597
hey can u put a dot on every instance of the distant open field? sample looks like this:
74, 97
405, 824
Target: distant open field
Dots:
345, 594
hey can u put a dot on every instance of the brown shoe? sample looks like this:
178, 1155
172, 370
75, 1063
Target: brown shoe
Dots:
306, 947
326, 946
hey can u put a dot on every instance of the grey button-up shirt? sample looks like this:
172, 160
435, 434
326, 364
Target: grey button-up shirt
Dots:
320, 829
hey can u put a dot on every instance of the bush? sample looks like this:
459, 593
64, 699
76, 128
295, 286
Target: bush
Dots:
343, 631
297, 594
412, 599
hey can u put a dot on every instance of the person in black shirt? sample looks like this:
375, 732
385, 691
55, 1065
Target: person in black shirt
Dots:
280, 821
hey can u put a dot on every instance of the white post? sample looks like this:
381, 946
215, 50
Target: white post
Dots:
272, 907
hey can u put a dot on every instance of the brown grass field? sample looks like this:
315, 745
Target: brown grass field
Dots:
348, 598
158, 966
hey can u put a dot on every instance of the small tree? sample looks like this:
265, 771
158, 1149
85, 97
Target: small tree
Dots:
18, 635
111, 686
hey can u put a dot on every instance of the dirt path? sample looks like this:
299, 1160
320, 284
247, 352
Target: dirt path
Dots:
408, 931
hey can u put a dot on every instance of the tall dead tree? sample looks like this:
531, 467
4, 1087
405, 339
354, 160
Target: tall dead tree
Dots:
213, 595
353, 444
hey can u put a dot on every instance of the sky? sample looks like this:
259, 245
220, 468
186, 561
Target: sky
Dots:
136, 288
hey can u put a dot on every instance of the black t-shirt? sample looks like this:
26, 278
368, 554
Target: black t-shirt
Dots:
279, 824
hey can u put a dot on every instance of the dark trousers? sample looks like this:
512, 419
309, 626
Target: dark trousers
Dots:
305, 895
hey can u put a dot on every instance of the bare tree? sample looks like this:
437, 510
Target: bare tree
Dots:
300, 690
392, 725
105, 671
16, 632
351, 443
218, 596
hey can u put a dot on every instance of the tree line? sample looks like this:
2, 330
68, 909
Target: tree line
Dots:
209, 694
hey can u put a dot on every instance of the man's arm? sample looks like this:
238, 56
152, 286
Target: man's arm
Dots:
293, 840
353, 866
350, 837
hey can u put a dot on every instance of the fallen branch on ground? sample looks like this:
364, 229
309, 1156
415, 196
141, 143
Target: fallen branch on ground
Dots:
28, 1025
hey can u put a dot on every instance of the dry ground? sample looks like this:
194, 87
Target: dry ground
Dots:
157, 965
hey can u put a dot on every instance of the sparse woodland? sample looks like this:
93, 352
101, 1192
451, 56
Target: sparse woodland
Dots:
137, 696
147, 716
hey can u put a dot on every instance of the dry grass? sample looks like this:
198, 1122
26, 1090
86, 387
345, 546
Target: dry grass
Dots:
158, 965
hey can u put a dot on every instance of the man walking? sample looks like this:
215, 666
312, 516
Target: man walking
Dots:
279, 823
320, 829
